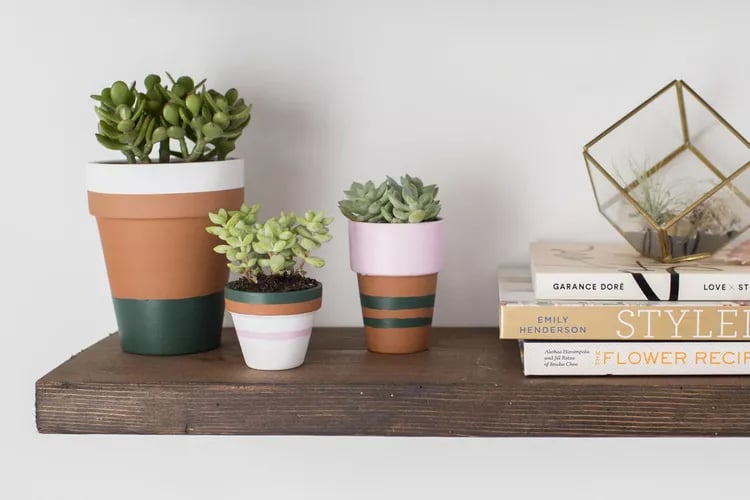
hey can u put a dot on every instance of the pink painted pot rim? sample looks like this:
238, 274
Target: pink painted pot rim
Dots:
401, 249
397, 224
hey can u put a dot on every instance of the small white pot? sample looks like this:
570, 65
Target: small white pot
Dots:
273, 342
273, 329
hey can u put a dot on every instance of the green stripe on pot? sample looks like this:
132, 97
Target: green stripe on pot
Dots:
170, 326
395, 303
397, 322
274, 298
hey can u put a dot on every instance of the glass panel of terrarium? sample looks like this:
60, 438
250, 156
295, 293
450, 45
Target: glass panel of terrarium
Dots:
710, 225
645, 139
741, 184
713, 140
670, 189
612, 204
738, 191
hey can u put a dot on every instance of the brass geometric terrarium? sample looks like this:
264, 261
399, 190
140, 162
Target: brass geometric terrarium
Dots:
672, 176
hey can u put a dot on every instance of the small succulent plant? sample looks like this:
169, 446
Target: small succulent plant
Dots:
202, 122
409, 201
278, 245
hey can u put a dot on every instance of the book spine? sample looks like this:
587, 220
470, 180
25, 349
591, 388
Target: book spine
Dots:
636, 358
662, 286
644, 321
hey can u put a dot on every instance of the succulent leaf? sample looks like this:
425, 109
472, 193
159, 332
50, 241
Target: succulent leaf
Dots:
159, 134
194, 103
107, 129
111, 143
276, 263
120, 93
308, 244
315, 261
211, 131
175, 132
186, 82
232, 96
151, 80
416, 216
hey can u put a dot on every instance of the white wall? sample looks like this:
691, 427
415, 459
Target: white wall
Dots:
492, 100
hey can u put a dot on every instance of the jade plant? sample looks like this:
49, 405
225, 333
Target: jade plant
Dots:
185, 120
270, 255
409, 201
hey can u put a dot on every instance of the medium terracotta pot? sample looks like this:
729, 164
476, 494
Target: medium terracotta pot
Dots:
274, 329
397, 267
167, 284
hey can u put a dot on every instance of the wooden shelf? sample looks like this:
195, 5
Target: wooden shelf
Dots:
468, 384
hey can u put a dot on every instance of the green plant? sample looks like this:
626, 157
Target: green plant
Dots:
655, 199
407, 201
653, 195
277, 245
134, 122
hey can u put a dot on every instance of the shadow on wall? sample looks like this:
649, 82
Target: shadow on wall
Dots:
284, 146
480, 232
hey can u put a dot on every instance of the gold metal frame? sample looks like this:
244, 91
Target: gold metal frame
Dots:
724, 181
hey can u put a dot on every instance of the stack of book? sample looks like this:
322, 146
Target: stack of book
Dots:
605, 310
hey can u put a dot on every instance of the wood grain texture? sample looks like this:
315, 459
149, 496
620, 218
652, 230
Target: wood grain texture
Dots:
468, 384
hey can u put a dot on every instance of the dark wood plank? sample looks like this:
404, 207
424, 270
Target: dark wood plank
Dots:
468, 384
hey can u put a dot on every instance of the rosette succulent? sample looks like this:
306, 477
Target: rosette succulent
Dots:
203, 124
409, 201
279, 245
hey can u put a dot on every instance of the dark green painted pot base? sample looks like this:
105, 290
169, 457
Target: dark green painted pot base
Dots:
170, 327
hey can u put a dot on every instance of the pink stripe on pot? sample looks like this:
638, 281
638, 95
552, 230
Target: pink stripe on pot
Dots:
273, 335
381, 249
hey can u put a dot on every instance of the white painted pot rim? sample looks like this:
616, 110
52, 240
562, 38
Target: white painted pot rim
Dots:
165, 178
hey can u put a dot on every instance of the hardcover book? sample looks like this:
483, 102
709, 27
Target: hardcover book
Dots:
635, 358
522, 317
572, 271
645, 321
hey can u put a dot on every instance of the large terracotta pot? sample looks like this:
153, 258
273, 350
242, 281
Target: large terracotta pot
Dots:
397, 267
274, 329
167, 284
